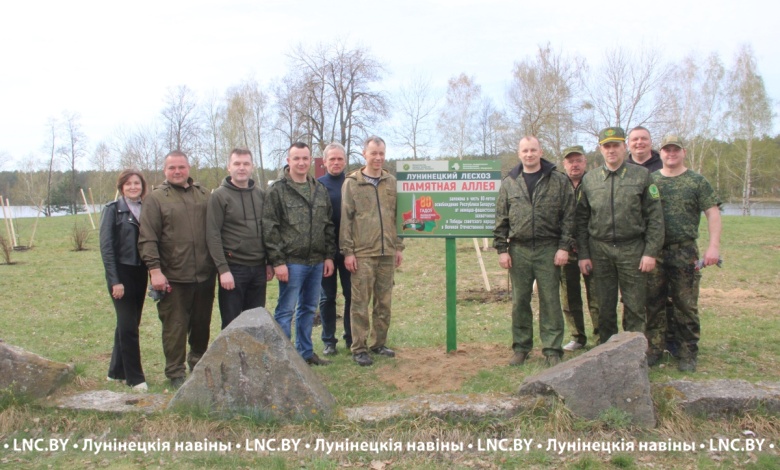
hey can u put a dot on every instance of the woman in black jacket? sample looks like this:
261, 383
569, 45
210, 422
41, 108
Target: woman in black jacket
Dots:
126, 275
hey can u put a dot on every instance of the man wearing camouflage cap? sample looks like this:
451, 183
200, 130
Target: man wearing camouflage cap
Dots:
620, 230
574, 162
685, 195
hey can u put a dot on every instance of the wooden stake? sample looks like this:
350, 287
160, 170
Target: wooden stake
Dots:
11, 223
7, 223
481, 265
35, 227
89, 213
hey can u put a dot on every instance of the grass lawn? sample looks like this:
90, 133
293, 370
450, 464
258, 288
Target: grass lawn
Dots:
54, 302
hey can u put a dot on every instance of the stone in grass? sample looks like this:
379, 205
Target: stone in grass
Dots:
252, 369
29, 374
612, 375
724, 397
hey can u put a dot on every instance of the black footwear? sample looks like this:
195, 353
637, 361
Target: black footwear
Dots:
518, 359
177, 382
674, 348
363, 359
383, 351
687, 364
653, 358
314, 360
330, 350
552, 360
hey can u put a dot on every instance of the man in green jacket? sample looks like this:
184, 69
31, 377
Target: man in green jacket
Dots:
534, 225
300, 242
372, 250
172, 244
235, 239
620, 230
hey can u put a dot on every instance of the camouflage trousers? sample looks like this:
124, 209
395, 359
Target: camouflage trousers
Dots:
373, 280
616, 266
571, 301
529, 264
674, 274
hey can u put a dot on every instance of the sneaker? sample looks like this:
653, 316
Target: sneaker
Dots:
653, 358
573, 346
363, 359
111, 379
142, 387
687, 364
518, 359
177, 382
383, 351
314, 360
552, 360
330, 350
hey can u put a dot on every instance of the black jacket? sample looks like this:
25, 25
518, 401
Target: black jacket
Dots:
118, 239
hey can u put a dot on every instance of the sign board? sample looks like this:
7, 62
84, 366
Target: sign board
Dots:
443, 198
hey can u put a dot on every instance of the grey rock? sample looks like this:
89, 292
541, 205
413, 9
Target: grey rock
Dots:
444, 406
723, 398
612, 375
253, 369
29, 374
114, 402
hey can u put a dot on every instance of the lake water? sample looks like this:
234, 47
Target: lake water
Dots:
760, 209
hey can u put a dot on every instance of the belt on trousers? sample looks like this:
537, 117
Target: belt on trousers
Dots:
619, 242
677, 246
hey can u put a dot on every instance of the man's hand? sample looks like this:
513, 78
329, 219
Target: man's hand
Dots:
118, 291
399, 257
504, 260
561, 258
226, 281
350, 262
269, 273
281, 273
586, 267
327, 268
159, 281
647, 264
711, 256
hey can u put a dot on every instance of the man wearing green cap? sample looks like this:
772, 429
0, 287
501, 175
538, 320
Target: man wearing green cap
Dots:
620, 230
685, 195
574, 162
534, 225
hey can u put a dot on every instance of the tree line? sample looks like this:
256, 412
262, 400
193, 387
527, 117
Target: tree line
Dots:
334, 92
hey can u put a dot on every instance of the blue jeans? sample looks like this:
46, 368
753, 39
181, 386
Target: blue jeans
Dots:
303, 289
328, 303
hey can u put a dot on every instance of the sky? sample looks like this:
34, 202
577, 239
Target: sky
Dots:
113, 62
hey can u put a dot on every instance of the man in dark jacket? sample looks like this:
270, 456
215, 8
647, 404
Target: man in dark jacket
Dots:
172, 244
640, 148
620, 230
300, 243
234, 232
335, 160
534, 225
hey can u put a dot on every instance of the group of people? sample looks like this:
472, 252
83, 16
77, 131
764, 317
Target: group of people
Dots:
303, 231
630, 227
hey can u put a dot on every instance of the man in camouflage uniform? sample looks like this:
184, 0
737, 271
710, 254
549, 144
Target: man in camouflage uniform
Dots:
300, 243
684, 196
371, 250
534, 224
574, 162
620, 229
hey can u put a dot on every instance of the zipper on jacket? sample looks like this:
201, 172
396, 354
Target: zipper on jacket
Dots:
381, 223
612, 204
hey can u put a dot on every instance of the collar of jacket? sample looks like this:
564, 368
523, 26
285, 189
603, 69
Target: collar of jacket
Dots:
358, 175
228, 183
312, 182
620, 172
167, 186
547, 168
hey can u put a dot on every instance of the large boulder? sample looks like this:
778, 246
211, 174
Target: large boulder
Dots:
612, 375
253, 369
724, 398
29, 374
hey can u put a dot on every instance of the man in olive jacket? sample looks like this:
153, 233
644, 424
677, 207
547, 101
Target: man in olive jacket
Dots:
300, 242
372, 250
620, 230
172, 244
534, 225
235, 239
